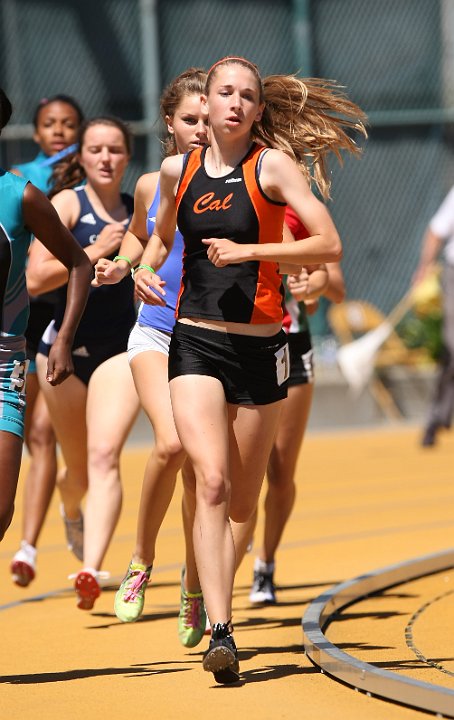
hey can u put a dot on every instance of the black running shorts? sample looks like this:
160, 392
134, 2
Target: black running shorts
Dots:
301, 358
253, 370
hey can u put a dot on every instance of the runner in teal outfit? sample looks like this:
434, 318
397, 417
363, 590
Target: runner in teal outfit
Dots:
24, 211
56, 121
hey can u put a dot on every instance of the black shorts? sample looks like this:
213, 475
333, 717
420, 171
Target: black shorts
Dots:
86, 358
301, 358
41, 313
253, 370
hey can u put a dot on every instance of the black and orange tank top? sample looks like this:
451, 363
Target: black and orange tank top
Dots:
234, 207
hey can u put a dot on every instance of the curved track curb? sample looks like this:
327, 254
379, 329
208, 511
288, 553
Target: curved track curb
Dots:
361, 675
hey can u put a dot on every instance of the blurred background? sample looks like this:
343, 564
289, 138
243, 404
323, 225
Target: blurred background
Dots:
395, 59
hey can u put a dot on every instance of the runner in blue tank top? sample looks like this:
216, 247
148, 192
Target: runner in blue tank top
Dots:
163, 317
148, 354
94, 413
24, 211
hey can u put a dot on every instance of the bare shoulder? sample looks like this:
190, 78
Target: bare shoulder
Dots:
277, 160
146, 188
171, 167
65, 197
170, 175
67, 205
278, 171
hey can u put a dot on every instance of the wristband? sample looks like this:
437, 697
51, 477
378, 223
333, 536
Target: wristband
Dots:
122, 257
144, 267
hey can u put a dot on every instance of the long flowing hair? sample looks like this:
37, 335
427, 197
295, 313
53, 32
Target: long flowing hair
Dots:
307, 118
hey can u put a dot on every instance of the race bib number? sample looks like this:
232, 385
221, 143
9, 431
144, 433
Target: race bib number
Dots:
282, 364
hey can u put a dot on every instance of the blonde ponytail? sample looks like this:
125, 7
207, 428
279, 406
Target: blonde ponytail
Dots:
308, 119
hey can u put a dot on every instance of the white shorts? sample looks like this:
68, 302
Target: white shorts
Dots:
144, 338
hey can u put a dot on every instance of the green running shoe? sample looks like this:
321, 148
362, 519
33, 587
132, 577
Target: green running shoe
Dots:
192, 617
130, 596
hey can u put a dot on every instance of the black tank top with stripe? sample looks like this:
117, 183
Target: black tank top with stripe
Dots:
232, 207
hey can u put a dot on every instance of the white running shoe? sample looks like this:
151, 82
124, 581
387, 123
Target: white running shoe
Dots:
23, 565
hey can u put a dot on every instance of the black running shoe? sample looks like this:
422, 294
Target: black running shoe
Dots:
221, 658
263, 591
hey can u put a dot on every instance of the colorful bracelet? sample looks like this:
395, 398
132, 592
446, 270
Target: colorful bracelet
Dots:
122, 257
144, 267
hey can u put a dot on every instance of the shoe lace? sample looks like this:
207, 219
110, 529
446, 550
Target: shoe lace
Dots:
219, 631
139, 578
192, 609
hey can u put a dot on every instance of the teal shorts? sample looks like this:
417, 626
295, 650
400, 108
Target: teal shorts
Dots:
13, 373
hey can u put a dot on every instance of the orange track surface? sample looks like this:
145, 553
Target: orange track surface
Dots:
365, 500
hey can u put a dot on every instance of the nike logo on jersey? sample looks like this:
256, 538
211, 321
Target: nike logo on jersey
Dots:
89, 219
230, 180
209, 202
